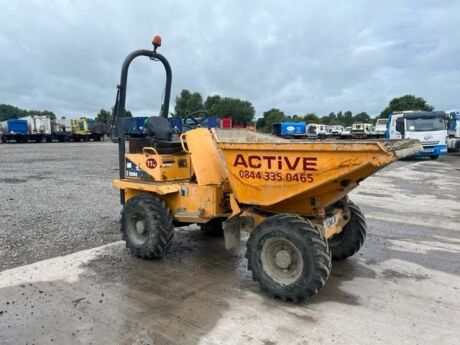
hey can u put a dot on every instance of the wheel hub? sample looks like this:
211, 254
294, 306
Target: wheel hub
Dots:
140, 227
283, 259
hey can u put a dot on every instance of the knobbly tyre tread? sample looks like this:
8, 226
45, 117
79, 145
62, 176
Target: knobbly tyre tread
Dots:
160, 226
352, 237
314, 249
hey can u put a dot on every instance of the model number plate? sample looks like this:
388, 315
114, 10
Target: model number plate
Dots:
330, 221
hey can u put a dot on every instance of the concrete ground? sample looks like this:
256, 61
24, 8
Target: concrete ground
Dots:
65, 278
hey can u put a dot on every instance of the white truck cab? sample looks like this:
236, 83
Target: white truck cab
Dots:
429, 127
381, 127
336, 130
315, 130
362, 130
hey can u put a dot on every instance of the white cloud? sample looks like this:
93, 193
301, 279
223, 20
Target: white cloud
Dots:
300, 56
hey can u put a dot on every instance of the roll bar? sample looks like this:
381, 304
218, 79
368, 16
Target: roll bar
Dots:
120, 102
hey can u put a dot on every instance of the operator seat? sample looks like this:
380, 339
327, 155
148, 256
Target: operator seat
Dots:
159, 129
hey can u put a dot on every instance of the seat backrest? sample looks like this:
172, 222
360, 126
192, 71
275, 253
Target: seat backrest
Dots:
159, 128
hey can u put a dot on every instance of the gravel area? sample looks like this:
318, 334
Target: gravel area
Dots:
56, 199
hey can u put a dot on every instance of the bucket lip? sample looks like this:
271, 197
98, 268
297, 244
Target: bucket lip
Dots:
268, 142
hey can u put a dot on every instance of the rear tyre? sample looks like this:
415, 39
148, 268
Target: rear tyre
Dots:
288, 257
434, 157
351, 238
147, 226
213, 228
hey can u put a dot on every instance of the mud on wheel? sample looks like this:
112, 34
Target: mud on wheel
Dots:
146, 226
351, 238
288, 257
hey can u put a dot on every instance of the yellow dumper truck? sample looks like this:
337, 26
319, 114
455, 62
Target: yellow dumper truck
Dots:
291, 196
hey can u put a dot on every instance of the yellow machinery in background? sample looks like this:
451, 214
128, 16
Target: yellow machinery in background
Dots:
82, 130
290, 196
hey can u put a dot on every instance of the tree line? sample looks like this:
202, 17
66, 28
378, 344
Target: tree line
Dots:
243, 112
8, 111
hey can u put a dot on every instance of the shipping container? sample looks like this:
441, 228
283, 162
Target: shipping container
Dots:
226, 122
212, 122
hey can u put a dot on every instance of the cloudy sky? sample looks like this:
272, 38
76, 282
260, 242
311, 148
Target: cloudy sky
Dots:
299, 56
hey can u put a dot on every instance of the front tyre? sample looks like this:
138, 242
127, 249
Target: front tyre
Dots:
434, 157
347, 242
288, 257
147, 226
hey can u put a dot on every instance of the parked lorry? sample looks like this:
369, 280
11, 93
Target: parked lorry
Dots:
15, 129
361, 130
453, 131
289, 130
429, 127
315, 130
61, 130
336, 130
38, 128
381, 127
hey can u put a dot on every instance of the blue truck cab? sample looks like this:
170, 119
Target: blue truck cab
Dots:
429, 127
17, 126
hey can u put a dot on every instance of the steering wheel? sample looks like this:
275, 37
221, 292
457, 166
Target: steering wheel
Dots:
197, 122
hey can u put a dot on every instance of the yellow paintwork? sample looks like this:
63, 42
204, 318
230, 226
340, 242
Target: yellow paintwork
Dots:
206, 162
298, 177
253, 176
187, 201
80, 126
162, 167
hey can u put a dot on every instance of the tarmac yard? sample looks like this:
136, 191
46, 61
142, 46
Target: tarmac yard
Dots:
66, 278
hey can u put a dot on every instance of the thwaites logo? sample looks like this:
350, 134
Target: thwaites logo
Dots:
276, 162
151, 163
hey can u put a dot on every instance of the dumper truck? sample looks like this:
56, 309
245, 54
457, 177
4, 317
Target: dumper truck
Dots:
290, 195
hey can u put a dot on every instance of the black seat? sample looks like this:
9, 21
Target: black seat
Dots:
160, 130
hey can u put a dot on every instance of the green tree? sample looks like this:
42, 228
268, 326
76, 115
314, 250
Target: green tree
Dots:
104, 116
211, 104
362, 117
340, 119
264, 124
311, 118
239, 110
406, 102
8, 111
187, 103
347, 118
